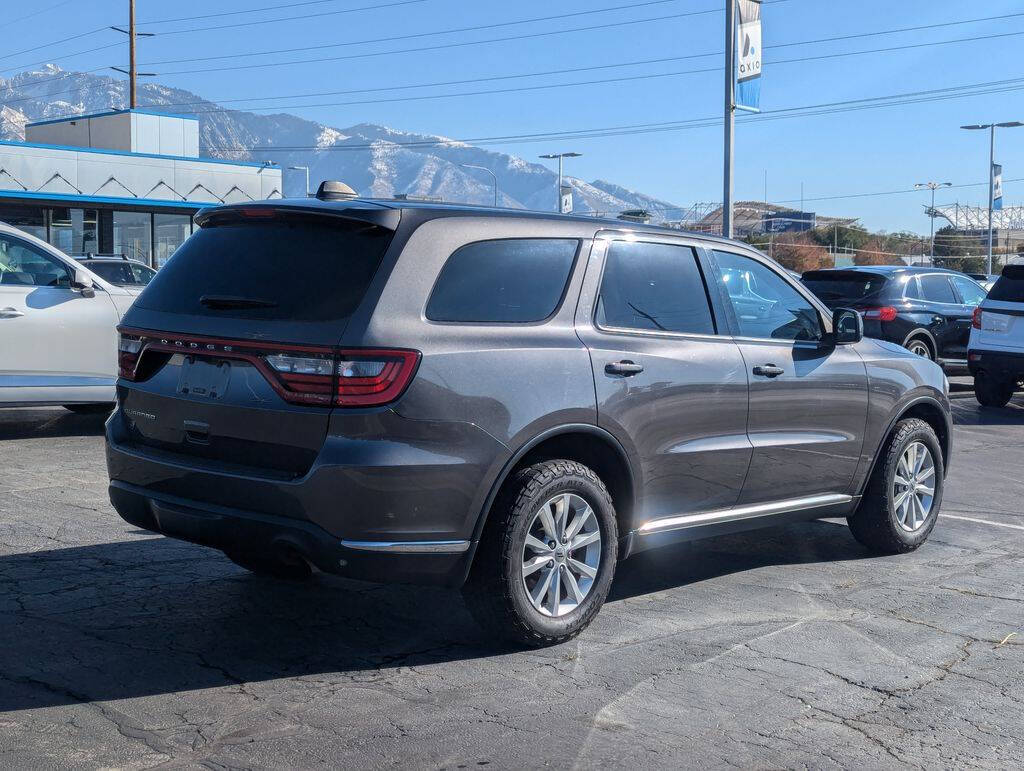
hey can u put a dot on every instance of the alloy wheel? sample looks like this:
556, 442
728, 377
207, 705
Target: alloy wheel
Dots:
561, 555
919, 348
913, 487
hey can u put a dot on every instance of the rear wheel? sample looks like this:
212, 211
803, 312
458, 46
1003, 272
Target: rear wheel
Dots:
287, 567
991, 391
547, 557
901, 504
919, 347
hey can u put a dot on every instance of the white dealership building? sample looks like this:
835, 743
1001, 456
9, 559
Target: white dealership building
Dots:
120, 182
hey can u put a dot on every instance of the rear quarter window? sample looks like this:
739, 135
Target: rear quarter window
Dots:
1009, 287
503, 281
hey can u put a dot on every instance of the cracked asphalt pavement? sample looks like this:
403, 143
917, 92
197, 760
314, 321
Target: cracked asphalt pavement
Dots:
788, 647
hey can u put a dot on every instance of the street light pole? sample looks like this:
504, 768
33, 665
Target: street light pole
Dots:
305, 169
495, 176
560, 156
730, 116
933, 186
991, 172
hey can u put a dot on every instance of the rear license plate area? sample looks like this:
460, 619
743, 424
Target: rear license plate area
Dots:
203, 378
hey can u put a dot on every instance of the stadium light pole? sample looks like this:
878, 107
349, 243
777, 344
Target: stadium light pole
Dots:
305, 169
495, 176
933, 186
560, 156
991, 172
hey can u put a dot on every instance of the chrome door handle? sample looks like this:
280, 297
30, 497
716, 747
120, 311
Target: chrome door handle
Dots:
625, 368
768, 370
10, 313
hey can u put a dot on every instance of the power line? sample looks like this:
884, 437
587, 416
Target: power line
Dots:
458, 30
36, 13
278, 7
55, 42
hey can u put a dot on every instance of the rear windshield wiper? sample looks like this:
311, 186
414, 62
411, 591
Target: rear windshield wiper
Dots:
227, 302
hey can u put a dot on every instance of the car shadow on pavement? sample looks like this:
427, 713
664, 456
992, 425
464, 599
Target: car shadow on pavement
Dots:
20, 423
155, 616
967, 412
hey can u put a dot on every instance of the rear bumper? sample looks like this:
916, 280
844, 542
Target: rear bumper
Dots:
998, 363
250, 532
388, 499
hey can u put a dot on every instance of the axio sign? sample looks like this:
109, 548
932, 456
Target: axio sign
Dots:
748, 55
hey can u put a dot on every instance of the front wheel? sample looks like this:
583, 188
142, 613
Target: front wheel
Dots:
990, 391
547, 557
901, 503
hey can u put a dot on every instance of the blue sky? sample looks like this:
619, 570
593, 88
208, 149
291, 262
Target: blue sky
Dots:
830, 155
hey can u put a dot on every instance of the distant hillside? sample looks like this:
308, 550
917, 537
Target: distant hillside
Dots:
375, 160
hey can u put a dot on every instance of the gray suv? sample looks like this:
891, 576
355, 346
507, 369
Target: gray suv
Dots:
504, 401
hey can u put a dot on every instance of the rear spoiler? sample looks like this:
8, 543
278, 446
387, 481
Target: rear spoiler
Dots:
378, 216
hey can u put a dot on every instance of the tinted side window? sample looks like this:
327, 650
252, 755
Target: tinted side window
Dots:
970, 293
654, 287
912, 291
514, 280
766, 306
21, 265
936, 288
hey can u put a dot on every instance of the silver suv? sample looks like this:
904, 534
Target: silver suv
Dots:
506, 401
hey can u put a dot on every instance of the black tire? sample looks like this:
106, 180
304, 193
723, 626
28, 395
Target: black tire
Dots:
286, 568
876, 522
920, 345
496, 592
991, 391
91, 409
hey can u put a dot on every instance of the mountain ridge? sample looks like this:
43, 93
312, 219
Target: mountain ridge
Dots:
376, 160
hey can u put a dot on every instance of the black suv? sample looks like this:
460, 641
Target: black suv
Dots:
502, 400
926, 310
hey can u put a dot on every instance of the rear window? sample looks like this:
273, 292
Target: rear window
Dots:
843, 286
504, 281
298, 268
1009, 288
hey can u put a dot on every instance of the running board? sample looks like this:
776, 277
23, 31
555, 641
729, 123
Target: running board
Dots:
736, 513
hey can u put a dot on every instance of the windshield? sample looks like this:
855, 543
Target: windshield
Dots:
296, 268
843, 286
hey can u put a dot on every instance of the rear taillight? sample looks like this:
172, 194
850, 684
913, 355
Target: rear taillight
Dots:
885, 313
368, 378
976, 318
300, 374
128, 349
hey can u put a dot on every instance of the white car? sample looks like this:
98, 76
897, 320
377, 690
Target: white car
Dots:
58, 319
995, 354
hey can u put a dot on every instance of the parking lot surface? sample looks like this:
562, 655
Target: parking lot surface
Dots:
783, 647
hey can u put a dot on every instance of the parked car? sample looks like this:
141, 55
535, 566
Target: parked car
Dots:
996, 352
506, 401
986, 280
58, 320
926, 310
119, 270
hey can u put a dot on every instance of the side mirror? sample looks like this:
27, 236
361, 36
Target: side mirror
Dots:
82, 283
847, 326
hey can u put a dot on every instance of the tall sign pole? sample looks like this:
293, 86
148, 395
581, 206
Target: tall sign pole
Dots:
132, 76
991, 193
730, 116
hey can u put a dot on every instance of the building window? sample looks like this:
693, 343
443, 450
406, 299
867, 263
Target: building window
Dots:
75, 231
170, 231
133, 235
31, 219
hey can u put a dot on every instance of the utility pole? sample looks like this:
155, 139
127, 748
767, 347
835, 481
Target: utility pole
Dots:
560, 156
730, 116
933, 186
991, 173
132, 73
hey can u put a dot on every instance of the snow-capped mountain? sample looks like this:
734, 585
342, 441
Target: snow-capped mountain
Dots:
375, 160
